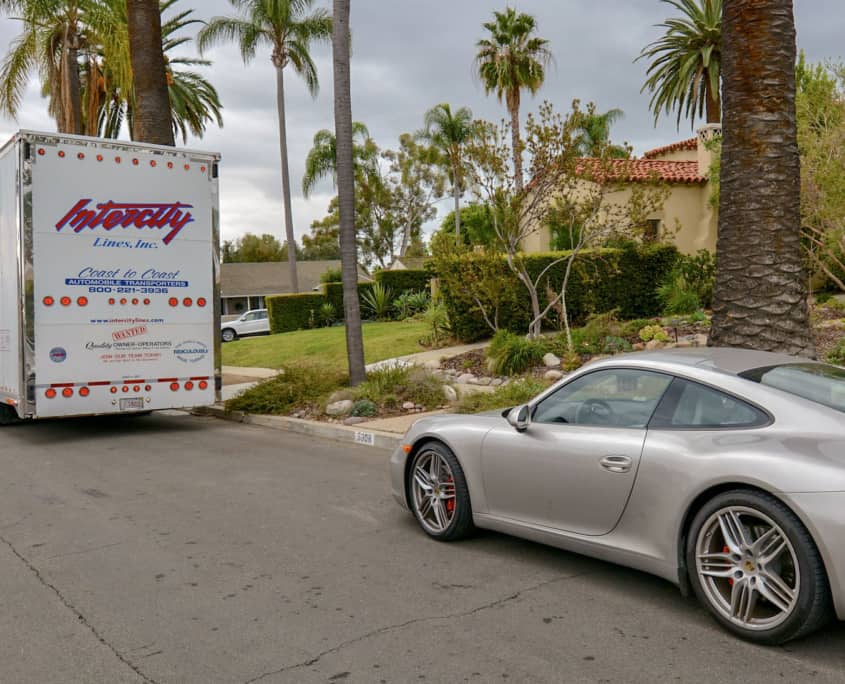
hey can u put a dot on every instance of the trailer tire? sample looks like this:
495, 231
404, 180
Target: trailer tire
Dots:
8, 415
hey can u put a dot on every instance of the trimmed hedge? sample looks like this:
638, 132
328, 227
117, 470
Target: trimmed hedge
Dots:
601, 280
333, 293
402, 281
293, 311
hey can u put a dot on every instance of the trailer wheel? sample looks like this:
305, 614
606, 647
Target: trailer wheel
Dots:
8, 416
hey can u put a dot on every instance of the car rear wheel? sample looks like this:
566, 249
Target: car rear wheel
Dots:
438, 493
228, 335
756, 568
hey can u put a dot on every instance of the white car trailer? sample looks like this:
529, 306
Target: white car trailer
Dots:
109, 277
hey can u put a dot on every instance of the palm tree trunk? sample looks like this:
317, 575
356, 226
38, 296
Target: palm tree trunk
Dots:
760, 299
456, 192
152, 122
714, 106
72, 96
346, 192
513, 106
283, 156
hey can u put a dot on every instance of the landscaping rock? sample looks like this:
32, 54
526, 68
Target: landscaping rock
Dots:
409, 406
495, 382
340, 395
434, 364
339, 408
700, 340
450, 393
553, 375
651, 345
466, 378
550, 360
684, 343
638, 346
354, 420
483, 381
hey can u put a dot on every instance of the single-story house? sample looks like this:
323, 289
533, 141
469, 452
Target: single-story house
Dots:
244, 286
687, 217
408, 263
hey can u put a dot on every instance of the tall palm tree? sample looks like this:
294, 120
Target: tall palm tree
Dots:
286, 27
51, 41
346, 192
593, 136
151, 121
194, 101
511, 60
760, 298
685, 63
448, 131
322, 158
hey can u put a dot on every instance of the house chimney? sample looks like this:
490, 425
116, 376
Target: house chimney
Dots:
705, 135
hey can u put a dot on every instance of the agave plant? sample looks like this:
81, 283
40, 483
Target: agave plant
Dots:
377, 300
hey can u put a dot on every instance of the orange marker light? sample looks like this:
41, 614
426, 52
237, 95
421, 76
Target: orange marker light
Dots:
113, 390
407, 448
65, 301
82, 301
67, 392
48, 301
84, 392
50, 393
203, 385
201, 301
189, 385
187, 301
173, 301
174, 386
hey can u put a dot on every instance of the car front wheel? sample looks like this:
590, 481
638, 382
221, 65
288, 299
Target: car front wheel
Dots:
229, 335
439, 495
756, 568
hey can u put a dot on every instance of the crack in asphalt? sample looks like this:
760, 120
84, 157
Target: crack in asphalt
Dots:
402, 625
79, 616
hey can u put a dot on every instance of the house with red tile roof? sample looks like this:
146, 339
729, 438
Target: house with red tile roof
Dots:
686, 218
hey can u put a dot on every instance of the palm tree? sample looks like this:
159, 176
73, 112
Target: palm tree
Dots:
151, 121
51, 41
593, 136
346, 192
510, 61
194, 101
686, 62
322, 158
448, 131
285, 27
760, 298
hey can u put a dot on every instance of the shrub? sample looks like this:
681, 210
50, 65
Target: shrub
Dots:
601, 280
410, 303
653, 332
590, 338
511, 354
377, 300
364, 408
391, 385
615, 345
332, 275
837, 354
293, 311
403, 281
436, 317
513, 394
295, 386
326, 314
678, 296
333, 292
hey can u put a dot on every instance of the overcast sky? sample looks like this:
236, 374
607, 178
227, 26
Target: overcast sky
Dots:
409, 55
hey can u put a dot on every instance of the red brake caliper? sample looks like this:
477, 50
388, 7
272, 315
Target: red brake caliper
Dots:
450, 504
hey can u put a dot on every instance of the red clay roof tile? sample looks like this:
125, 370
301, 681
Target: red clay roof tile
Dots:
639, 170
689, 144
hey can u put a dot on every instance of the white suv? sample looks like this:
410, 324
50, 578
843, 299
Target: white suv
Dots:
253, 322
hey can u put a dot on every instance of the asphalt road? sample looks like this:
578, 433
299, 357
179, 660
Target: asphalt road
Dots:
178, 549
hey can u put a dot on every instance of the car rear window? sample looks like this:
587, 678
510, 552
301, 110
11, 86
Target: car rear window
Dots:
817, 382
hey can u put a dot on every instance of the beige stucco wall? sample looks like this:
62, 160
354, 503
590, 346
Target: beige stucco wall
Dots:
686, 220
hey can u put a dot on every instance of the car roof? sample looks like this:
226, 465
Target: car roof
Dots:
720, 359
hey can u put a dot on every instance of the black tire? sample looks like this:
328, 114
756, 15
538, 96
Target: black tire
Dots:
228, 335
804, 613
8, 415
460, 525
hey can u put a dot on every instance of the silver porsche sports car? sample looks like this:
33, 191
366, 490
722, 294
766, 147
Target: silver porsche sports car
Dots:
721, 470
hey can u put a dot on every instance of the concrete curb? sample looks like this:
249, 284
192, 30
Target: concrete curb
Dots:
354, 434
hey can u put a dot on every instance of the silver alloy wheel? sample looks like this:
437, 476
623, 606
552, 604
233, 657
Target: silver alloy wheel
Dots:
433, 491
747, 568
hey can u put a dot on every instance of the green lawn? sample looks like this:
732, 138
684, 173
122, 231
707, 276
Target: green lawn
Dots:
326, 345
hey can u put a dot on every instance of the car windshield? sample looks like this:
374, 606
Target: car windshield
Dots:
814, 381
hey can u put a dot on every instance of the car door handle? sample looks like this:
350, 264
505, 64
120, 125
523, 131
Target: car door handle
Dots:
616, 464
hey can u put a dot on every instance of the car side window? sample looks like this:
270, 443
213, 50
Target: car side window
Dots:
250, 316
617, 397
262, 315
691, 405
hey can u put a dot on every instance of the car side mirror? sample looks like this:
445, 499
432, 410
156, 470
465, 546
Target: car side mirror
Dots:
520, 417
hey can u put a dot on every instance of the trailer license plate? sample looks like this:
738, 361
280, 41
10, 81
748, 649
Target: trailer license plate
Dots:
131, 403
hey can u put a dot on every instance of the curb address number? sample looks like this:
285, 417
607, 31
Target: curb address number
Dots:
367, 438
